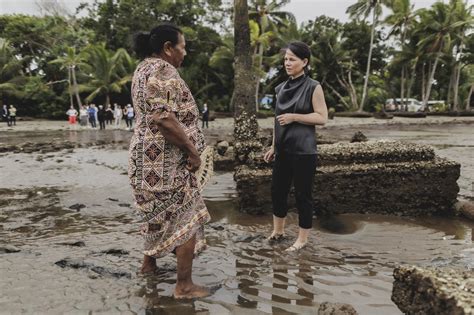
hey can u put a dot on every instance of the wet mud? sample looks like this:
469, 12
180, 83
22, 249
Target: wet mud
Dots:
69, 241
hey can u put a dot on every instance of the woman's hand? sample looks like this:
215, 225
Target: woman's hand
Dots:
269, 155
193, 163
285, 119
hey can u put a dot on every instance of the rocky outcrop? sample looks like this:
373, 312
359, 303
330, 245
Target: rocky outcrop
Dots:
433, 291
387, 177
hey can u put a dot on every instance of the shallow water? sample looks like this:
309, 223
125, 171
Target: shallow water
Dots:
349, 260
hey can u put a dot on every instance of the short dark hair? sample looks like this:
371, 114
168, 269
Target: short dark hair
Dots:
147, 43
302, 51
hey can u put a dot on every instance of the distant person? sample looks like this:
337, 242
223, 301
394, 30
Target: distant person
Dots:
92, 113
205, 116
12, 115
83, 116
109, 115
118, 113
72, 113
6, 114
129, 117
101, 116
300, 105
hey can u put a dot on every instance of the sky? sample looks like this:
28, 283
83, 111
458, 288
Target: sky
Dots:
302, 9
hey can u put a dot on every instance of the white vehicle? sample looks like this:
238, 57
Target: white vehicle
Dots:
409, 104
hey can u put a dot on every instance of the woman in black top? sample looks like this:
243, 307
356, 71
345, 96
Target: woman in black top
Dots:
300, 105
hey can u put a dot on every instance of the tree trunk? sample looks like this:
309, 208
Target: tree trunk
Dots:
430, 82
369, 59
402, 86
341, 98
71, 97
245, 119
450, 87
411, 81
259, 67
458, 75
76, 87
468, 101
423, 81
107, 100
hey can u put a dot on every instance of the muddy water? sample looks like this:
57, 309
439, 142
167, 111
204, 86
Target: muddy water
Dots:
84, 259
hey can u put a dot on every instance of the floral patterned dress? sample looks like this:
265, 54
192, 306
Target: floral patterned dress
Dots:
167, 196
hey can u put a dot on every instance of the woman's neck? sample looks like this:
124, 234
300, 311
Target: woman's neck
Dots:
297, 75
162, 57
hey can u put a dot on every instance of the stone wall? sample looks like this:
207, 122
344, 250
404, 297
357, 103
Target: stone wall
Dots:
432, 291
388, 177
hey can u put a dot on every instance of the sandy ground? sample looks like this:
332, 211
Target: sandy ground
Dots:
58, 258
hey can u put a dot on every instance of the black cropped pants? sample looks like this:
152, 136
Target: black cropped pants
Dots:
299, 169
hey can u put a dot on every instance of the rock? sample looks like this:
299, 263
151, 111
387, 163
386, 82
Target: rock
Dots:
358, 137
225, 163
112, 199
410, 114
247, 238
217, 226
327, 308
103, 271
222, 147
433, 291
8, 249
353, 114
77, 206
466, 209
115, 252
383, 115
124, 205
73, 243
384, 177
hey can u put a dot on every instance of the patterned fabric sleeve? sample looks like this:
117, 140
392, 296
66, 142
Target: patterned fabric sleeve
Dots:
164, 91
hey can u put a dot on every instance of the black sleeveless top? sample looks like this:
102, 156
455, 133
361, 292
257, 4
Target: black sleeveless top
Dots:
295, 96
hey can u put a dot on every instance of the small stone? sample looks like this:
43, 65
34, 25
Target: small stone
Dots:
8, 249
77, 206
222, 147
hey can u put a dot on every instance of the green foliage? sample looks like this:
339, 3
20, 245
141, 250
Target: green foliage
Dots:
48, 62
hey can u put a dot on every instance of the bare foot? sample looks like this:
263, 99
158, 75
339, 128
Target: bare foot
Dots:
148, 269
275, 236
296, 246
191, 292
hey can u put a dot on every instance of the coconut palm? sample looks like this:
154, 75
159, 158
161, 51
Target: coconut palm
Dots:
363, 8
70, 61
11, 76
438, 25
269, 18
107, 72
401, 21
462, 13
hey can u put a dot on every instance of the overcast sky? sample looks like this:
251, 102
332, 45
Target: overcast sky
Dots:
303, 9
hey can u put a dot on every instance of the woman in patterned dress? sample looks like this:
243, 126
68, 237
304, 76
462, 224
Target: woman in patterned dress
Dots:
164, 154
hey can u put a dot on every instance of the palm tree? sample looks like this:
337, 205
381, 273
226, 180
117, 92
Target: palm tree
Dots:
107, 71
11, 76
269, 18
363, 8
401, 21
438, 25
245, 119
463, 13
71, 60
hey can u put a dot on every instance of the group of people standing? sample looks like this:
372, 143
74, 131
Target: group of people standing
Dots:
9, 115
104, 116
